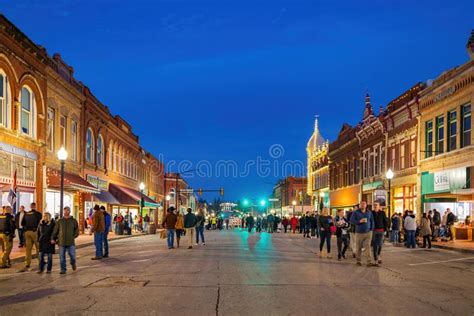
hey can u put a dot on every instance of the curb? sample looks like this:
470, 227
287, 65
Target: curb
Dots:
83, 245
462, 250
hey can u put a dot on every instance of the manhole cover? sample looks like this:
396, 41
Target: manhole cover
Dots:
118, 281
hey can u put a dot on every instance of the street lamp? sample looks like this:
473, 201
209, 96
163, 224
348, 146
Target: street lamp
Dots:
141, 186
389, 176
62, 156
321, 195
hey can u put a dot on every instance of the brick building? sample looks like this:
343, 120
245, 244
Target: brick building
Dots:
288, 190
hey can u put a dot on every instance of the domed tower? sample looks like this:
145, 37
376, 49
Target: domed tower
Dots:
470, 46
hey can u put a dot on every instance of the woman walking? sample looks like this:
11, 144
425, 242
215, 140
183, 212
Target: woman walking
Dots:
425, 230
45, 231
179, 227
325, 222
342, 234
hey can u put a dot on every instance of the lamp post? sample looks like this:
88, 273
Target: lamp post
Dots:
294, 205
141, 187
62, 156
389, 176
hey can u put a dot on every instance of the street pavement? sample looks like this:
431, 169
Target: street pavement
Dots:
240, 273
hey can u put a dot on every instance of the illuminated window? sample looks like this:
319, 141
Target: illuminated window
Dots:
50, 130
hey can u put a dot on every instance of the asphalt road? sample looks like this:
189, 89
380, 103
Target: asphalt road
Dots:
242, 273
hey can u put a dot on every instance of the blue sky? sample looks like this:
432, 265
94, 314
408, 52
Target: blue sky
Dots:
225, 80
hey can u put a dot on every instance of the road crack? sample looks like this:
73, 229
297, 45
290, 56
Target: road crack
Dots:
218, 289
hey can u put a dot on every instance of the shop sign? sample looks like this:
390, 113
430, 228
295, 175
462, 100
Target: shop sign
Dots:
98, 182
380, 195
449, 179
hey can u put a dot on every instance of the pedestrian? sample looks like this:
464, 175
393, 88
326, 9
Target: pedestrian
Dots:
18, 224
364, 224
285, 223
107, 220
200, 219
436, 225
7, 233
179, 228
140, 223
410, 229
307, 225
450, 220
249, 221
313, 224
271, 223
352, 239
258, 227
98, 228
66, 230
146, 223
395, 236
425, 230
227, 223
214, 222
294, 223
169, 223
325, 222
190, 222
30, 223
378, 234
301, 224
46, 246
342, 234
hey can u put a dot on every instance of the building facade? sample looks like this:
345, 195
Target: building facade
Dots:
291, 197
318, 169
447, 141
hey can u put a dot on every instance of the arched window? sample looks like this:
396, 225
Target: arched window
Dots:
110, 163
5, 100
90, 146
27, 113
115, 157
100, 151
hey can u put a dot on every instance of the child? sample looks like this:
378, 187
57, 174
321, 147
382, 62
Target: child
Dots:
45, 230
342, 233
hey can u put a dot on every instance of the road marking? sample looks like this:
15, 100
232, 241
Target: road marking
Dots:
142, 260
442, 261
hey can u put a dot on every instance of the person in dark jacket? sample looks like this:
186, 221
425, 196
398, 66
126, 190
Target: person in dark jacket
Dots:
307, 225
395, 236
30, 223
200, 219
7, 233
301, 221
352, 241
436, 225
107, 220
190, 222
249, 221
66, 230
325, 222
450, 220
342, 234
169, 223
364, 224
380, 226
46, 247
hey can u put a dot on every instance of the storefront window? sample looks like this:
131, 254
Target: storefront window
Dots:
53, 202
460, 209
26, 198
404, 198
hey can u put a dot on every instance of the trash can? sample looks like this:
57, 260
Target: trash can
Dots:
119, 228
151, 228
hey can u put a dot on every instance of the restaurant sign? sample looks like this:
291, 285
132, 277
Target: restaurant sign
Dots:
98, 182
449, 179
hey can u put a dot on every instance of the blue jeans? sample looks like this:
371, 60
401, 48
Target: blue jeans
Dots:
106, 243
395, 237
199, 232
42, 263
21, 236
325, 237
411, 243
71, 250
170, 238
99, 244
377, 242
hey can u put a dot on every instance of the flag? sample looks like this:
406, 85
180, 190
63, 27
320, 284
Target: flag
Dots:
12, 194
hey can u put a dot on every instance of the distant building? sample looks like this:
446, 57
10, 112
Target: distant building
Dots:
288, 190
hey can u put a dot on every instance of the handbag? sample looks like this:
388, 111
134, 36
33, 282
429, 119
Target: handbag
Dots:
332, 228
163, 234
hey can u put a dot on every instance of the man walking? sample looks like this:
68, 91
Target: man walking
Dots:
107, 221
30, 223
169, 223
146, 221
65, 232
190, 222
7, 233
436, 224
21, 232
364, 224
450, 220
352, 242
200, 227
380, 226
98, 228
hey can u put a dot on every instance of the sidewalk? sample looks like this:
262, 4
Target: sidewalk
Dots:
84, 240
457, 245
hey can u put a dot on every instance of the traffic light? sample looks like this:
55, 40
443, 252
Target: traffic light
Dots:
221, 191
200, 191
263, 202
246, 202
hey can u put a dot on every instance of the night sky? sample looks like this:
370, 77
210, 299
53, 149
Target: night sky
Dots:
225, 80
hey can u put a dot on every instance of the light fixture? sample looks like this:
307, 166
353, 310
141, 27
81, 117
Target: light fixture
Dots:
62, 154
389, 174
168, 197
142, 186
294, 202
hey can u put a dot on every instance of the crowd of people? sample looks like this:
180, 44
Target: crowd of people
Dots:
189, 225
41, 232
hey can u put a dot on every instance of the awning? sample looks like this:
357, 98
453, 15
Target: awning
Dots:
72, 182
106, 197
463, 195
129, 196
